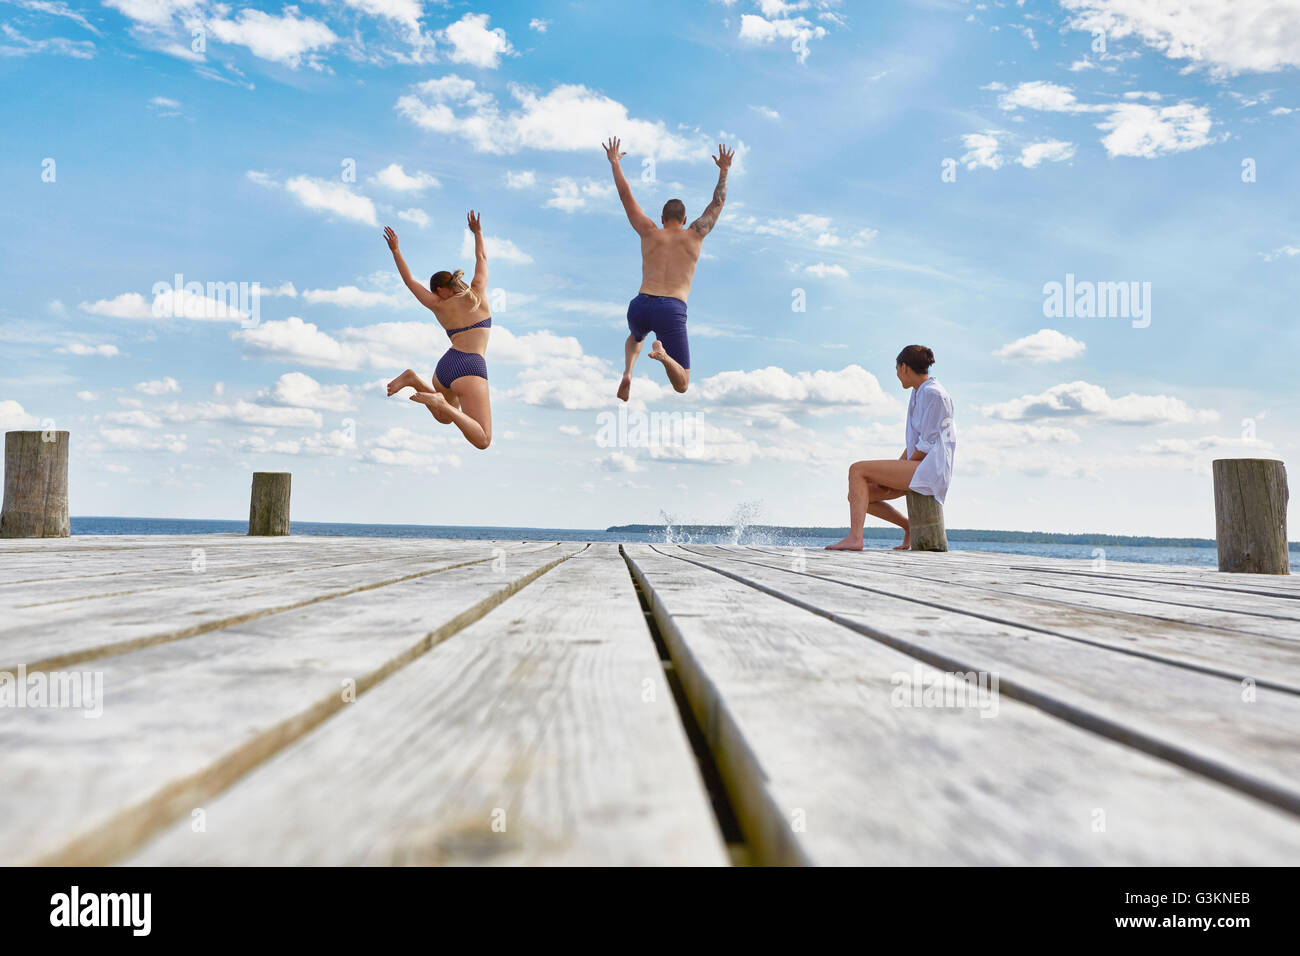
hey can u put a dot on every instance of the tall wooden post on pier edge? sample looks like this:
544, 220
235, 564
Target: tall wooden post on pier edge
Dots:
1250, 499
925, 518
36, 485
268, 510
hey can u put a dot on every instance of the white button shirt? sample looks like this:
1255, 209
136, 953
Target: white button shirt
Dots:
930, 429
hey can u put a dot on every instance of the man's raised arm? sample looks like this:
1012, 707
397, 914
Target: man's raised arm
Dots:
639, 220
709, 218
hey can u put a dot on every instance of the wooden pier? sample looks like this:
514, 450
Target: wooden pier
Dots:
295, 700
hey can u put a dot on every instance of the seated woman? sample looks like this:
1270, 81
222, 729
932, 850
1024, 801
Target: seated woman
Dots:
926, 463
458, 392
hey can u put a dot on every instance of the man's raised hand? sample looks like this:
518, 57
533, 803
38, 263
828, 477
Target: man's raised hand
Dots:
611, 149
475, 222
390, 237
724, 157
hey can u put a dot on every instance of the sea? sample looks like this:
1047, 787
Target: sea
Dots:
1153, 554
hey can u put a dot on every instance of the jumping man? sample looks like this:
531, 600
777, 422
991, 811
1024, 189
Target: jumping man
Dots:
668, 257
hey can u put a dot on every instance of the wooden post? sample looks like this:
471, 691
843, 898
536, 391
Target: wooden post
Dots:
36, 485
268, 512
925, 515
1250, 498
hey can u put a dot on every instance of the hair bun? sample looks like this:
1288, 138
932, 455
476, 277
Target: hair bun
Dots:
458, 275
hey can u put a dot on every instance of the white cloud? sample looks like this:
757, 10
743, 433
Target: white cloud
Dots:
1050, 151
1148, 131
538, 25
821, 270
618, 461
1086, 401
130, 438
570, 195
1045, 345
766, 112
521, 180
417, 216
1007, 435
981, 150
88, 396
299, 390
331, 197
405, 12
394, 177
12, 416
1133, 129
128, 305
297, 341
569, 118
1223, 36
497, 248
243, 413
850, 387
283, 39
797, 30
77, 348
161, 386
473, 42
350, 297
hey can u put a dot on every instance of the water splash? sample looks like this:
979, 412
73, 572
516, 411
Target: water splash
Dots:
673, 534
743, 516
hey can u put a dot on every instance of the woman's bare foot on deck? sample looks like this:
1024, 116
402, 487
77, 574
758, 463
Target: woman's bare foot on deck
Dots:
438, 405
905, 546
406, 378
625, 387
847, 544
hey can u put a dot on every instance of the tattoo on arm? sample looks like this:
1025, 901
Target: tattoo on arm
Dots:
709, 218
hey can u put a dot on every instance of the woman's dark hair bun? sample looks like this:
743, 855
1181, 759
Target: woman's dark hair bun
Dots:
916, 357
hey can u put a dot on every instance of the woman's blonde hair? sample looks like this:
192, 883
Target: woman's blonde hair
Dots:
456, 282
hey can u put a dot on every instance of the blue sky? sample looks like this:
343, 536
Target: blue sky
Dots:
911, 172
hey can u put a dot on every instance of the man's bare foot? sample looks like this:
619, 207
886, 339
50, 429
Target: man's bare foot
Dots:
438, 405
905, 546
657, 351
625, 387
847, 544
406, 378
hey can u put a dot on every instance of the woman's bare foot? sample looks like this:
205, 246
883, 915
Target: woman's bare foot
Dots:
906, 545
406, 378
625, 387
437, 405
847, 544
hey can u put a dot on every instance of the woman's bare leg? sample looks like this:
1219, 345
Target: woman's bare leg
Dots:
631, 349
870, 483
473, 416
409, 378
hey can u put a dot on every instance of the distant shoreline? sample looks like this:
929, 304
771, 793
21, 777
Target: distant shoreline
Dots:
954, 534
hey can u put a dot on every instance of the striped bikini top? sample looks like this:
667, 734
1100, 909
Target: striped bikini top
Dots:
485, 324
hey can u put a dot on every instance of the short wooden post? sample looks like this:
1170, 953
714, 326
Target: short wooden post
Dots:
925, 516
36, 485
268, 512
1250, 498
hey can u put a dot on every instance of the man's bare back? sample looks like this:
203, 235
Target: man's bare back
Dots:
669, 253
668, 258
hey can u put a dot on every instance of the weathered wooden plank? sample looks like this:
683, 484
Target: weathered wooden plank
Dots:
1234, 645
44, 638
188, 566
801, 716
545, 733
1242, 737
1257, 614
182, 721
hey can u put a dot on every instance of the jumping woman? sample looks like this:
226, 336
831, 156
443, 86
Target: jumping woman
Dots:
458, 394
926, 463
